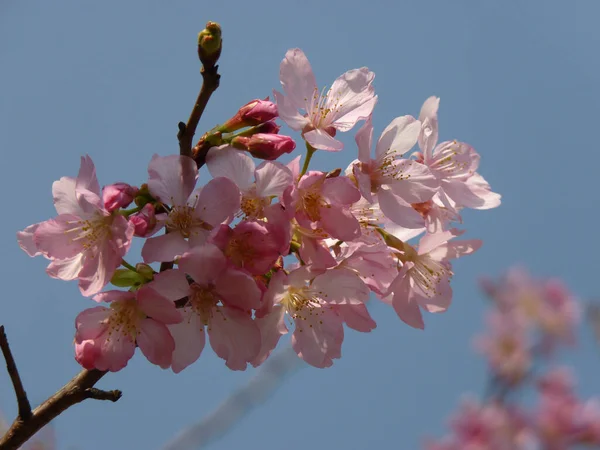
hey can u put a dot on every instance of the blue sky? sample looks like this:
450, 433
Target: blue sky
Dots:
517, 80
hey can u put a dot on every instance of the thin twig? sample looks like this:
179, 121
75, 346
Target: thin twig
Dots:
75, 391
210, 83
11, 367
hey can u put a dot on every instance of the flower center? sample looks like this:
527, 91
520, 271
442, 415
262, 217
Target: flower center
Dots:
203, 301
428, 274
253, 206
320, 108
240, 249
312, 201
392, 168
90, 231
452, 160
181, 219
125, 318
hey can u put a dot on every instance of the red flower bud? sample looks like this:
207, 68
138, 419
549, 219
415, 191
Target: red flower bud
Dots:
265, 146
118, 195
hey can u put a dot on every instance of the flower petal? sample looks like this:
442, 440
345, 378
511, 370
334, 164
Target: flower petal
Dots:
189, 340
172, 178
404, 304
164, 247
226, 161
203, 263
91, 323
399, 211
171, 284
26, 240
272, 327
320, 139
60, 237
351, 98
297, 78
238, 289
341, 287
288, 112
156, 306
398, 137
218, 200
272, 178
86, 179
156, 343
65, 197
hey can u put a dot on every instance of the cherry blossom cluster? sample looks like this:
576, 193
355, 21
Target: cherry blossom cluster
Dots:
260, 249
530, 320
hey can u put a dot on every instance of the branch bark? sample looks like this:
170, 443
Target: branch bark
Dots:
29, 422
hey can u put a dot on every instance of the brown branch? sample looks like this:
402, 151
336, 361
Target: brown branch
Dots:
11, 367
75, 391
210, 83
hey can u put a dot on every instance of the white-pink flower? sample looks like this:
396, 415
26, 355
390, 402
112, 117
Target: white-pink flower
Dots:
192, 215
105, 338
424, 279
219, 301
351, 98
396, 181
85, 241
257, 185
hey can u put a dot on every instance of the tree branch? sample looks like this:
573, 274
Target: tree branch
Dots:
75, 391
11, 367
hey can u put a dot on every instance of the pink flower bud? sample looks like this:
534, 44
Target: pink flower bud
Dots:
265, 146
118, 195
144, 222
251, 114
269, 127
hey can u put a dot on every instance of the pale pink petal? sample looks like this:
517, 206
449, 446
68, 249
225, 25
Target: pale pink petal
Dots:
226, 161
456, 249
218, 200
356, 317
234, 337
156, 343
204, 263
431, 241
399, 211
318, 338
60, 237
238, 289
414, 183
172, 178
164, 247
65, 269
121, 234
364, 140
322, 140
313, 252
26, 241
90, 204
364, 183
65, 197
91, 323
341, 287
351, 98
98, 269
294, 166
297, 78
115, 352
483, 191
86, 179
272, 178
340, 190
433, 302
470, 195
272, 327
189, 340
429, 132
339, 223
156, 306
405, 306
288, 112
113, 296
171, 284
398, 137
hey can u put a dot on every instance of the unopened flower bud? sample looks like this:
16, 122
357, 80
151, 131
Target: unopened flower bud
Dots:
118, 195
265, 146
251, 114
144, 222
145, 271
209, 44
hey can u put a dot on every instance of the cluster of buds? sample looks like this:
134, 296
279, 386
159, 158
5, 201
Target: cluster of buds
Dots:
531, 317
260, 249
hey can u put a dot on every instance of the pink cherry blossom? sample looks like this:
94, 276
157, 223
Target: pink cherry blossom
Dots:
424, 279
218, 302
146, 222
105, 338
258, 185
253, 113
351, 98
322, 204
192, 215
264, 145
454, 164
396, 181
85, 241
118, 195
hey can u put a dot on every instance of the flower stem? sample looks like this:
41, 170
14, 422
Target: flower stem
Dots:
128, 212
127, 265
310, 150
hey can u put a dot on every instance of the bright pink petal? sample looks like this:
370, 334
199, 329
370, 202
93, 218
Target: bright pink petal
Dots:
364, 141
86, 179
356, 317
91, 323
115, 352
98, 269
228, 162
297, 78
156, 306
156, 343
65, 197
398, 137
164, 247
60, 237
234, 337
351, 98
340, 190
204, 263
341, 287
322, 140
189, 340
405, 306
398, 210
339, 223
65, 269
218, 200
238, 289
272, 178
171, 284
318, 338
272, 327
172, 178
26, 241
288, 112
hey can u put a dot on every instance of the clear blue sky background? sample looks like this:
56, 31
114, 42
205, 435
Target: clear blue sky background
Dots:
518, 80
